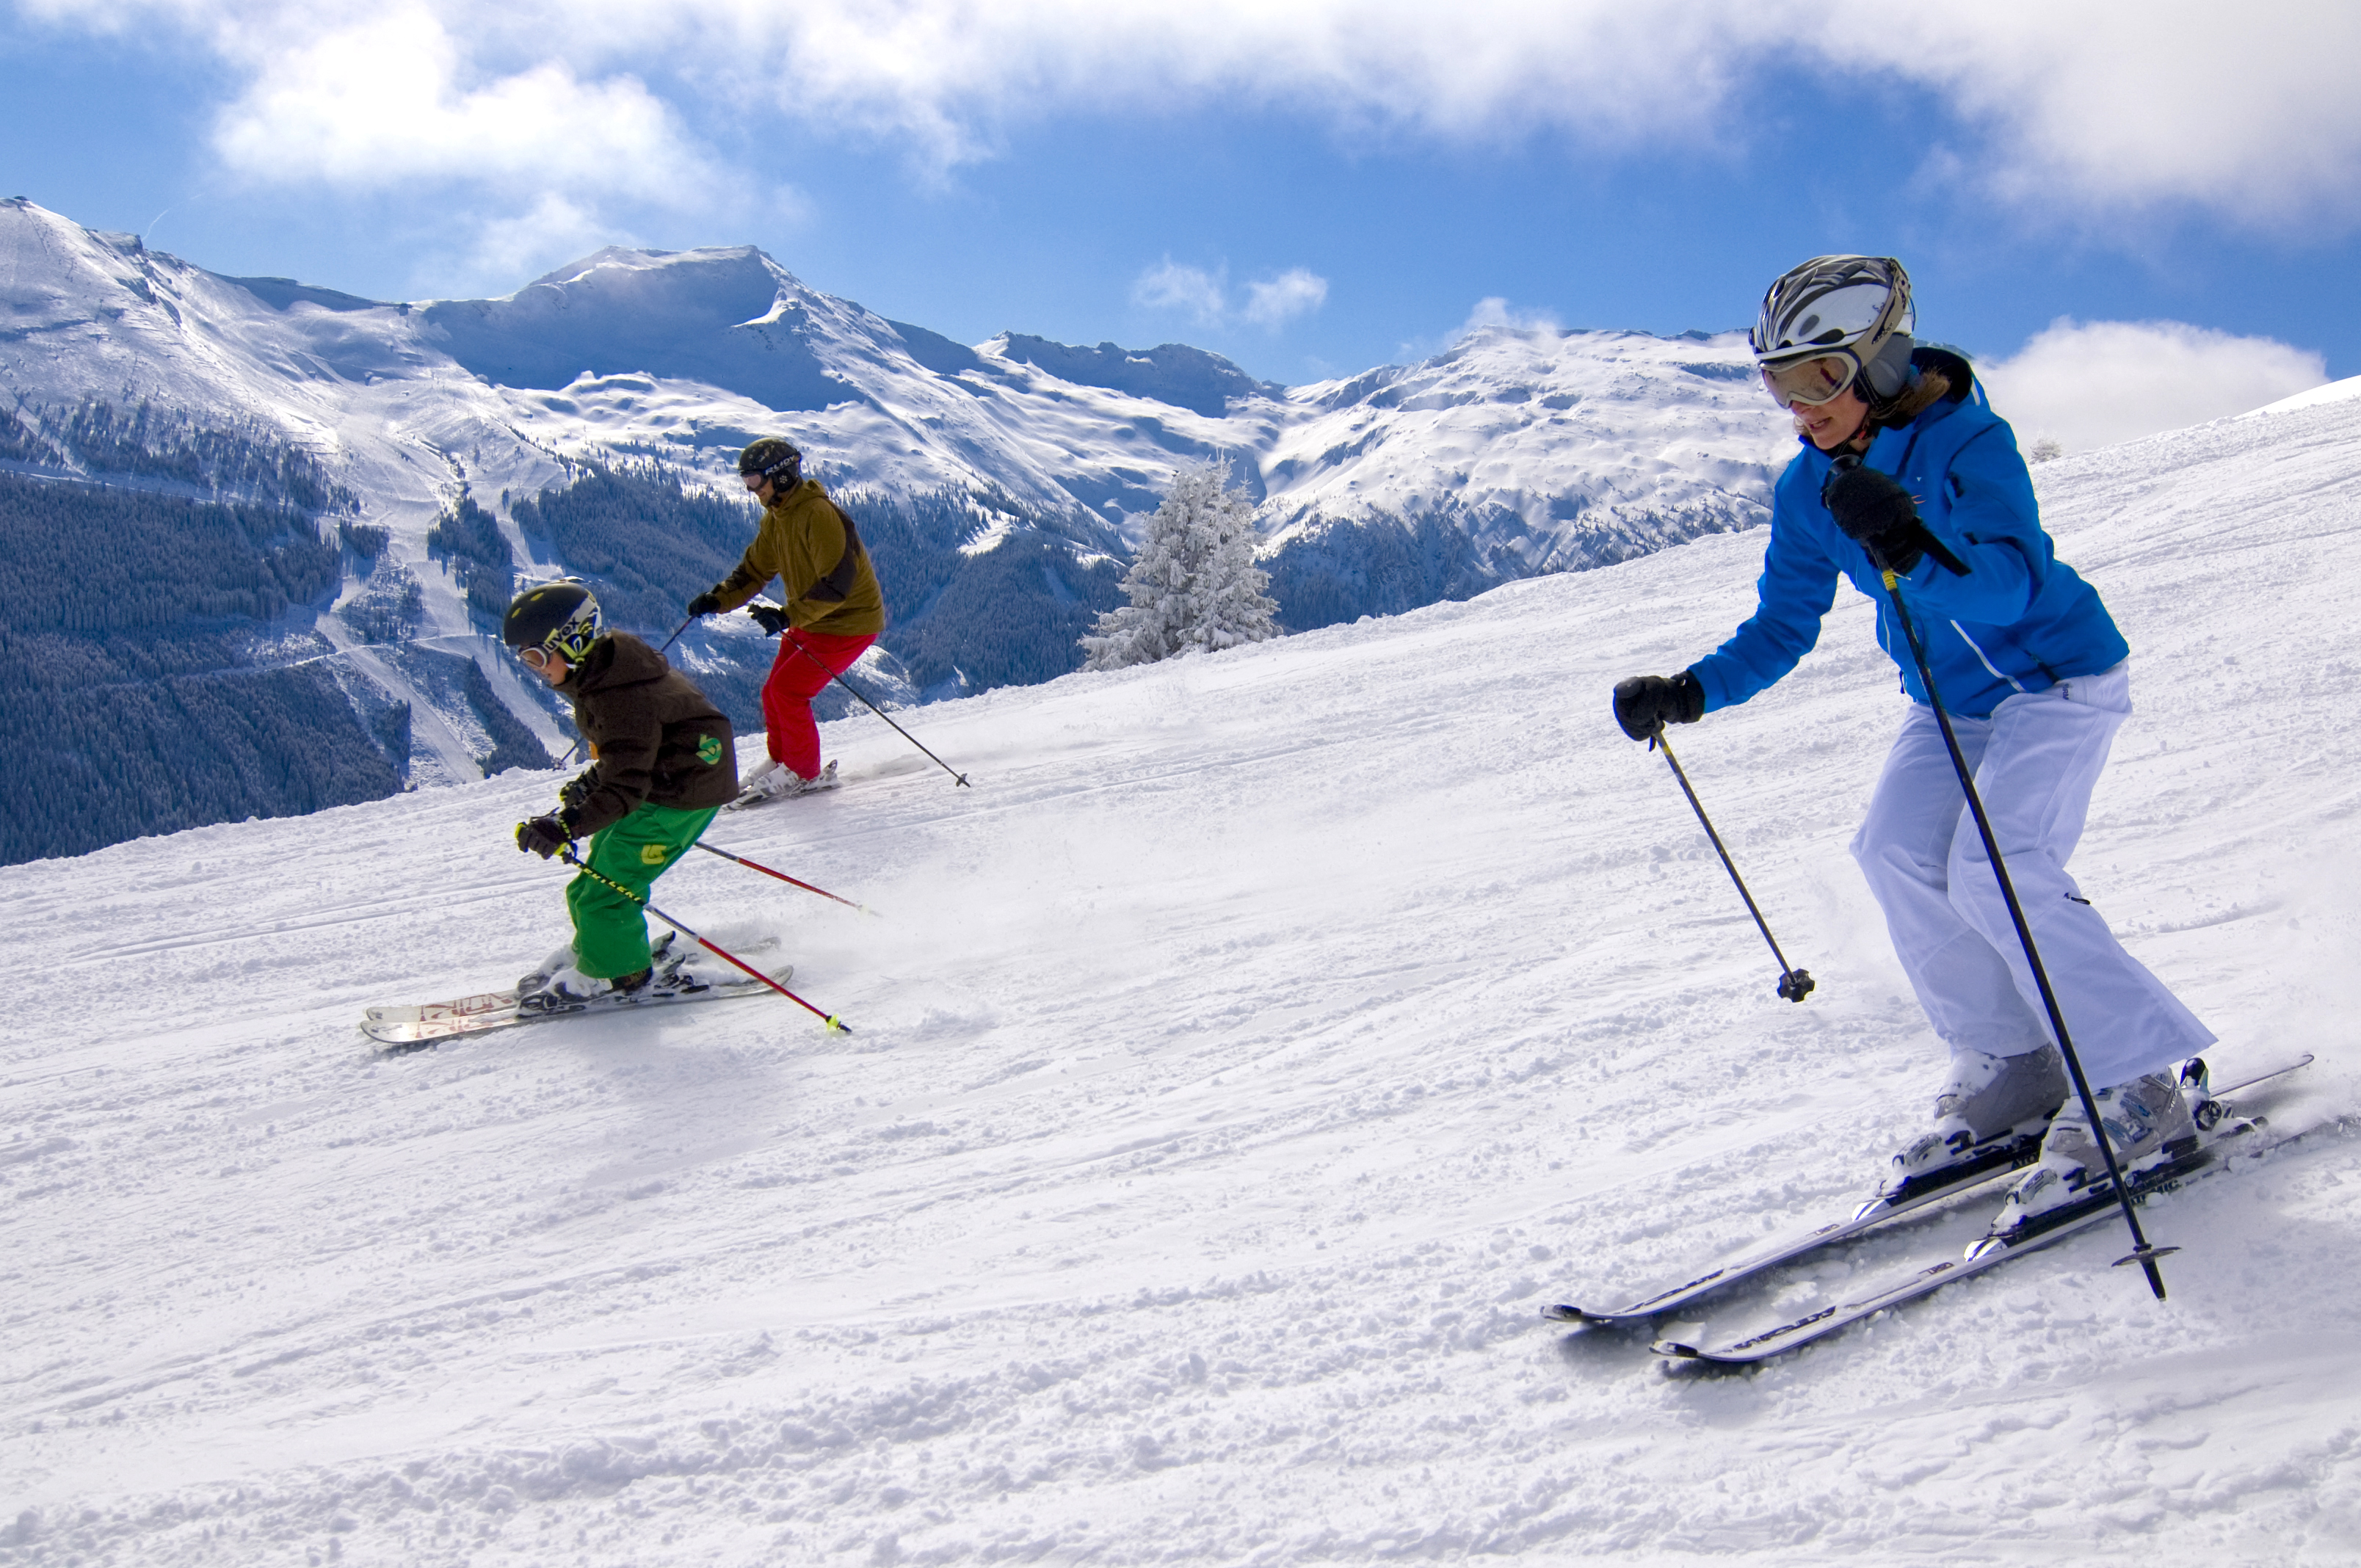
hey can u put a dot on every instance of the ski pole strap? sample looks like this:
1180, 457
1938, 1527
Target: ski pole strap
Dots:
2142, 1253
834, 1024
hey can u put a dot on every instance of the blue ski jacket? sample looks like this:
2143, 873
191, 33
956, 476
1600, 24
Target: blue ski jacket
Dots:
2019, 621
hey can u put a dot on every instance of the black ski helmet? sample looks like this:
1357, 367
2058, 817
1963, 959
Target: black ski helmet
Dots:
560, 617
774, 458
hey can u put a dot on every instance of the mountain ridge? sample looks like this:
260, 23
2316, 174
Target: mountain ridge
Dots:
1019, 466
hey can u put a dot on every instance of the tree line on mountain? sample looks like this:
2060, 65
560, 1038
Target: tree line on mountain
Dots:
468, 540
154, 446
144, 686
89, 559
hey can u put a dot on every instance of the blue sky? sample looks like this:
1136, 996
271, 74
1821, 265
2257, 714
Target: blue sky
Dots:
1310, 191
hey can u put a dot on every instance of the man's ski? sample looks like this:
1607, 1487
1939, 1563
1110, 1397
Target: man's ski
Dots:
2231, 1137
414, 1027
1996, 1160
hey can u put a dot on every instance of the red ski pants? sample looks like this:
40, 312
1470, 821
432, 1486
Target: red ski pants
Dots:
808, 661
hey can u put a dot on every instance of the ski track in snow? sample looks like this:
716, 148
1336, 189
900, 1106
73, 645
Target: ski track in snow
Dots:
1238, 1069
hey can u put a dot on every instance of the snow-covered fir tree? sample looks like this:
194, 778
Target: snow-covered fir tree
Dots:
1194, 587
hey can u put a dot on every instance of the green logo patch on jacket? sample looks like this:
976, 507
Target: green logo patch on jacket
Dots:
709, 750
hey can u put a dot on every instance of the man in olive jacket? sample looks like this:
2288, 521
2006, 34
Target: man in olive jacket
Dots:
834, 611
663, 762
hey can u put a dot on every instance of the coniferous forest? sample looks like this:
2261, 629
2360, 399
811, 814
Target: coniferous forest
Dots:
133, 696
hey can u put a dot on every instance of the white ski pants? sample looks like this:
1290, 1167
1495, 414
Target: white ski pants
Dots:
2036, 761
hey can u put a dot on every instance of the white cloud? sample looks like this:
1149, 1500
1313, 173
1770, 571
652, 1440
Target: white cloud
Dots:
1293, 293
1271, 302
1493, 313
1171, 285
2087, 384
508, 249
2080, 107
390, 99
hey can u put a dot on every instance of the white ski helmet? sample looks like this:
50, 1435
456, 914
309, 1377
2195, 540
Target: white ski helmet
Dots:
1831, 318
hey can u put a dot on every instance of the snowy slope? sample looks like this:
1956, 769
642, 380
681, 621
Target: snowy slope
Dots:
1239, 1067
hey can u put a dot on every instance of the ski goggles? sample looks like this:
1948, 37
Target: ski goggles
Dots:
1810, 382
535, 659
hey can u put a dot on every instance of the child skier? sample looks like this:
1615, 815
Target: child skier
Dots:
2032, 670
834, 611
663, 763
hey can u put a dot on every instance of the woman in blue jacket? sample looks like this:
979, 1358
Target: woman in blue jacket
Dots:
1905, 466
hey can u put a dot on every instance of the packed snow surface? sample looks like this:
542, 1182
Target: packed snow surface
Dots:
1239, 1067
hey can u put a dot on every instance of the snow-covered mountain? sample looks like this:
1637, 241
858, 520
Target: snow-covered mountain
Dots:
1027, 464
1238, 1068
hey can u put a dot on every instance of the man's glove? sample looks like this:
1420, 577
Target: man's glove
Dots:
706, 603
543, 836
772, 621
1874, 511
1645, 704
576, 790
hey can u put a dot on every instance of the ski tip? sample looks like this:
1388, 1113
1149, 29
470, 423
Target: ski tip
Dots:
1561, 1312
1672, 1350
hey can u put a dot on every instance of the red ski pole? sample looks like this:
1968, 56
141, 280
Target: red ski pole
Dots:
758, 866
835, 1025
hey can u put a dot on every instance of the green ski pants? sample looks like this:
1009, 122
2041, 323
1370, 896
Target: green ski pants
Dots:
610, 934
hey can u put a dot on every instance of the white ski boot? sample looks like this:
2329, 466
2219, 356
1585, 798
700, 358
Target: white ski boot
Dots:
570, 991
776, 781
549, 966
1987, 1115
2147, 1124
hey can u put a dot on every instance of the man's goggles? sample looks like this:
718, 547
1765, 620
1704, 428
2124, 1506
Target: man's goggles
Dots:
535, 659
1810, 382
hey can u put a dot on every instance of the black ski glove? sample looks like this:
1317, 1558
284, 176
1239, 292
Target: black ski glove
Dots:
1645, 704
576, 790
772, 621
543, 836
1876, 512
706, 603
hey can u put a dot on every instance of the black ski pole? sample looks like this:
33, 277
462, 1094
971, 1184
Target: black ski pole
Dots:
1795, 984
956, 777
667, 644
2142, 1253
835, 1025
759, 866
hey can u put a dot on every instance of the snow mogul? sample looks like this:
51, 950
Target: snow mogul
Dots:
663, 762
832, 610
1906, 468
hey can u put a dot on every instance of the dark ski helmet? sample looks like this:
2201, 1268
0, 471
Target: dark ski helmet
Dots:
555, 618
1830, 320
774, 459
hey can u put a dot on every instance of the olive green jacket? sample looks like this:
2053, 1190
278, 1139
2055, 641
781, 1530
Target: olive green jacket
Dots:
825, 578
